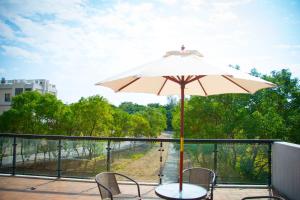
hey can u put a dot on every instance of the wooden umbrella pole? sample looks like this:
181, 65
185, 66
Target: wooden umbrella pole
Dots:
181, 136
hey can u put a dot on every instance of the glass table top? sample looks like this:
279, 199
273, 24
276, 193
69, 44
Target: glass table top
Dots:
189, 191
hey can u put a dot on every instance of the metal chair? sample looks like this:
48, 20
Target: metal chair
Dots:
109, 187
203, 177
264, 197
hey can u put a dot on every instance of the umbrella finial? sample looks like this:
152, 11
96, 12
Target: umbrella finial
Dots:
182, 48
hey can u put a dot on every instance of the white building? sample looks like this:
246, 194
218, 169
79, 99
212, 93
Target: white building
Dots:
11, 88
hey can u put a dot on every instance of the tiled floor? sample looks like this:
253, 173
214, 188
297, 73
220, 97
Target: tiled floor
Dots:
22, 188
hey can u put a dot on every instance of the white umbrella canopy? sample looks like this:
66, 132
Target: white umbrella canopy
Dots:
203, 79
184, 72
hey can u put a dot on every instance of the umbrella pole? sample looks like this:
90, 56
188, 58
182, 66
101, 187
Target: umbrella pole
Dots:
181, 137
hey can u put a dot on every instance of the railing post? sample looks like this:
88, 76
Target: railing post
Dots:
160, 175
59, 159
216, 160
270, 164
14, 156
108, 156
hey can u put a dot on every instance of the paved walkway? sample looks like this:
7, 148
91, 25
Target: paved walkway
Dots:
22, 188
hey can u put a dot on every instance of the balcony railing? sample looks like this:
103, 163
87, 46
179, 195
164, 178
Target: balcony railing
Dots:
152, 160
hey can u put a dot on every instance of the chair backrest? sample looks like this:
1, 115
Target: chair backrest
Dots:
200, 176
109, 181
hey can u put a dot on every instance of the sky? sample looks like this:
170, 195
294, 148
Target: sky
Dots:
77, 43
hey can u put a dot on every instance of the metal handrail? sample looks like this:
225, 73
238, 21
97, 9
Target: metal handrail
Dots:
57, 137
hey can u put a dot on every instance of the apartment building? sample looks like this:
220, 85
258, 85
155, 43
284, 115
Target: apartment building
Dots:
11, 88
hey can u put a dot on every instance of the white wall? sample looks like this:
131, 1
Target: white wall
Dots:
2, 95
4, 106
286, 169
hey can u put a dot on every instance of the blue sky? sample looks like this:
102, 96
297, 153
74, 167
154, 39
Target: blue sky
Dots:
75, 44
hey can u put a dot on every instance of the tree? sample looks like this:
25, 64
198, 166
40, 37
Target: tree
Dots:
157, 120
169, 110
131, 108
93, 116
10, 122
35, 113
50, 111
139, 125
280, 106
121, 123
24, 107
215, 116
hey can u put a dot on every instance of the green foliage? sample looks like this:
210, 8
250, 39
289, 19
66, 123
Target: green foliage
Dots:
131, 108
137, 156
139, 125
269, 113
170, 107
36, 113
93, 116
33, 113
121, 126
157, 120
151, 117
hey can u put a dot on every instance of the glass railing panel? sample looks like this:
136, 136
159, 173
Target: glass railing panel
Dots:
137, 159
199, 155
242, 163
6, 154
83, 158
234, 163
195, 155
171, 162
36, 157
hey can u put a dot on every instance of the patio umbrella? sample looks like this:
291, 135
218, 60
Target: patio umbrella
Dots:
184, 72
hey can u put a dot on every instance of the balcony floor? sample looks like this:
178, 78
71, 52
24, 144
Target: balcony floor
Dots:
17, 188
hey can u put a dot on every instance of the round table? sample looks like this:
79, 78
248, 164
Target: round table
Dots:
189, 191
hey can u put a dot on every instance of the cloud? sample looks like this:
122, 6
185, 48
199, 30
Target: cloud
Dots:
168, 2
223, 11
62, 10
194, 5
21, 53
6, 31
288, 46
123, 27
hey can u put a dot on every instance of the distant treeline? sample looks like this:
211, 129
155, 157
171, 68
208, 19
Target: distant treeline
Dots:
34, 113
269, 113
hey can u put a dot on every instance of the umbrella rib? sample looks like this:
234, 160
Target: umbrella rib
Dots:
162, 86
176, 78
226, 77
121, 88
188, 78
172, 79
195, 78
202, 87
